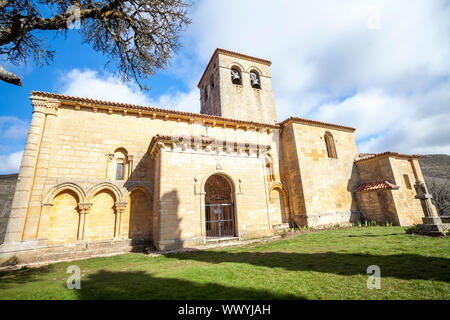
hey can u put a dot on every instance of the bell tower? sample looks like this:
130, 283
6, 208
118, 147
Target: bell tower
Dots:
239, 87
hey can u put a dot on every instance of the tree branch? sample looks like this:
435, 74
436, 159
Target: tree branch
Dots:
9, 77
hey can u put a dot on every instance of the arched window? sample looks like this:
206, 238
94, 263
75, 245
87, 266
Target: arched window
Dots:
121, 161
236, 76
329, 143
255, 80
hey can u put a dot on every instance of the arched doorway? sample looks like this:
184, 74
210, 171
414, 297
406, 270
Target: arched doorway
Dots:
219, 207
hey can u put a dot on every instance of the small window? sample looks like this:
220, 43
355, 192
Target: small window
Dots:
212, 83
236, 77
119, 171
205, 93
407, 182
255, 80
122, 164
331, 148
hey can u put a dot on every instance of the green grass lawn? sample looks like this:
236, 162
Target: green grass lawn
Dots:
321, 265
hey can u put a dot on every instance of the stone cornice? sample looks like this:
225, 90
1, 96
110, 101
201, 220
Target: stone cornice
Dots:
204, 144
45, 105
155, 113
316, 123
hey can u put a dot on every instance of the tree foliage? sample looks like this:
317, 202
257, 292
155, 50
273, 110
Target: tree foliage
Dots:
137, 36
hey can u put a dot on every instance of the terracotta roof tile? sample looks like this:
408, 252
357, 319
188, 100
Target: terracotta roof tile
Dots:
147, 108
315, 122
366, 156
376, 185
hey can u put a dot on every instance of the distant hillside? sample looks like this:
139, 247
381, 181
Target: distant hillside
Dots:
435, 165
7, 187
436, 171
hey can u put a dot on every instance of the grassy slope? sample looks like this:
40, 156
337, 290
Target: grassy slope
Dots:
322, 265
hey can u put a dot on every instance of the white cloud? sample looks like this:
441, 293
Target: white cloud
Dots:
330, 62
90, 84
380, 66
12, 128
10, 163
13, 132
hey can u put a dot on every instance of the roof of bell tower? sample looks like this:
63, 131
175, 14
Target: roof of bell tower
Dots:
232, 54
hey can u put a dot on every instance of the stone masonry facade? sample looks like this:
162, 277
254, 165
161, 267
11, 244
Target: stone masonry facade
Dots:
102, 177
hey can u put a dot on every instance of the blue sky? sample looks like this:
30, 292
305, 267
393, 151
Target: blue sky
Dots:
380, 66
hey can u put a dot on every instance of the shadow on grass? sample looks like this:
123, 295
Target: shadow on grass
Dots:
23, 276
400, 266
368, 235
109, 285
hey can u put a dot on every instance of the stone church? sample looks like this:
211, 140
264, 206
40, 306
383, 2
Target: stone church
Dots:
103, 177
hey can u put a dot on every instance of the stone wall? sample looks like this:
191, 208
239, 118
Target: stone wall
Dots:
397, 205
326, 183
378, 206
409, 208
7, 188
234, 101
183, 172
76, 195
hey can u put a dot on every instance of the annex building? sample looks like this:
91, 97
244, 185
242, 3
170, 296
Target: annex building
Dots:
102, 177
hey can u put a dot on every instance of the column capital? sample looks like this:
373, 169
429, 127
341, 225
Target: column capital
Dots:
45, 105
120, 206
84, 207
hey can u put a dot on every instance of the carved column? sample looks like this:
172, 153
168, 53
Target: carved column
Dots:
84, 209
49, 107
120, 208
130, 166
33, 172
110, 157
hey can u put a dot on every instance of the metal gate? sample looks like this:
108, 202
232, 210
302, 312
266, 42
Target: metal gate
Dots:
219, 220
219, 208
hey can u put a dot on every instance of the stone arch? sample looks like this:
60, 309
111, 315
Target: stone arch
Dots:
255, 79
121, 165
138, 218
93, 191
282, 199
76, 189
237, 65
256, 69
330, 145
102, 218
142, 187
227, 176
64, 217
239, 69
220, 214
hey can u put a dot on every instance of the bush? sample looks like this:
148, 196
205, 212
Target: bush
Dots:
411, 230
